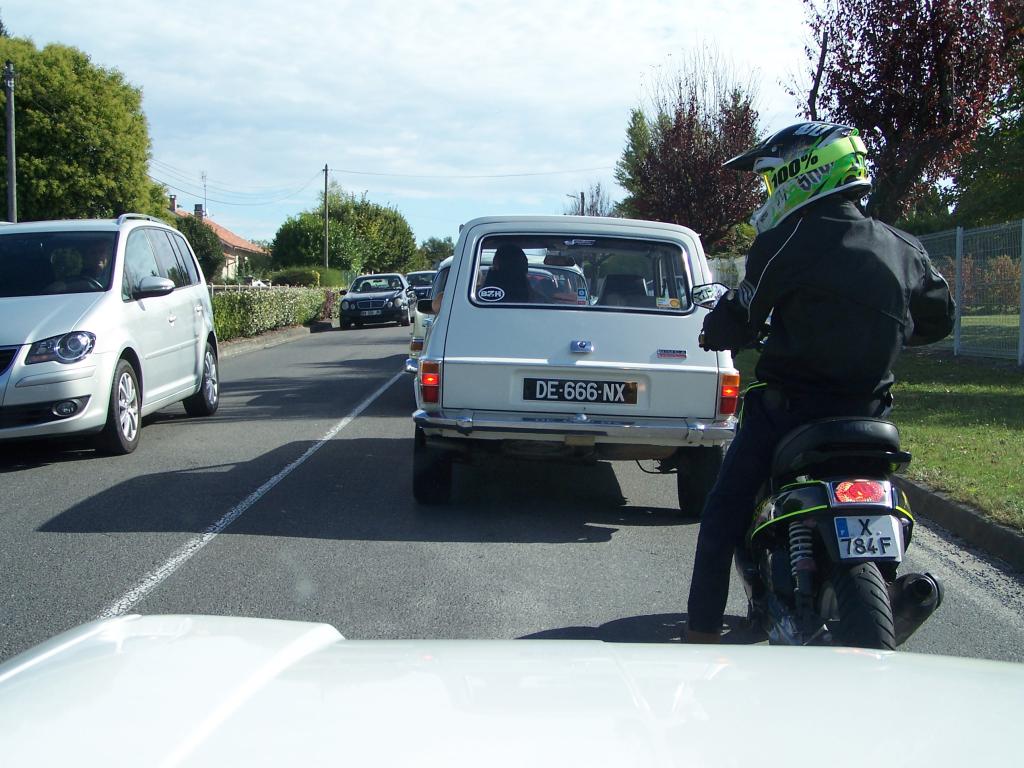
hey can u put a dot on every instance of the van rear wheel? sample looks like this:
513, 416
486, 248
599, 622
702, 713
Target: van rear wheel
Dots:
431, 472
697, 471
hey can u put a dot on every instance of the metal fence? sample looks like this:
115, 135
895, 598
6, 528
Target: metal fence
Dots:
983, 267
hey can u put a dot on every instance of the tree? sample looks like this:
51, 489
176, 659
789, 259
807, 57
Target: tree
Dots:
595, 202
363, 236
205, 243
929, 212
434, 250
917, 77
989, 184
672, 164
82, 142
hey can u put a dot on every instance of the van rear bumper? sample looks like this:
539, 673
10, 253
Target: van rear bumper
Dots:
510, 425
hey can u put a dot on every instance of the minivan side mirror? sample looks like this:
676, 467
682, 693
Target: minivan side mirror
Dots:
426, 306
151, 286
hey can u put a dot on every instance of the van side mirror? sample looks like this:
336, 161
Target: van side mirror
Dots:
426, 306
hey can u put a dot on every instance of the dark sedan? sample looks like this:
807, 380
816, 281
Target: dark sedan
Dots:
378, 299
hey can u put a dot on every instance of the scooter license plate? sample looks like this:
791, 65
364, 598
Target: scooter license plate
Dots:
869, 537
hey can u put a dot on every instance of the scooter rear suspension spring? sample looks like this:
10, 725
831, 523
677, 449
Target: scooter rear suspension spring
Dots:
801, 547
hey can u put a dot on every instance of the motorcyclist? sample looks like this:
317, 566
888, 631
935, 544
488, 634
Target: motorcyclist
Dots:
844, 293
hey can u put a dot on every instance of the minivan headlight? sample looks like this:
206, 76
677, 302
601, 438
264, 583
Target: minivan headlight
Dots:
69, 348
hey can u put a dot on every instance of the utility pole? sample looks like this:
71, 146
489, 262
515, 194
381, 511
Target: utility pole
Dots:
326, 220
583, 207
12, 183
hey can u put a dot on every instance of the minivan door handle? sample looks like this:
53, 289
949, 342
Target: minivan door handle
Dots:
171, 319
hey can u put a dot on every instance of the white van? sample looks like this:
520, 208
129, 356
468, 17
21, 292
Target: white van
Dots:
101, 323
573, 338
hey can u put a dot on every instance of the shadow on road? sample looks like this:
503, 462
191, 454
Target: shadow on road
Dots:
656, 628
360, 489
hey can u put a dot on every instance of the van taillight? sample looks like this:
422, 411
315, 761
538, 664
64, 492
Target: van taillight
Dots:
430, 381
729, 394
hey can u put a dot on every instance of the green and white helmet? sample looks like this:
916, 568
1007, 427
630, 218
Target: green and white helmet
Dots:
804, 163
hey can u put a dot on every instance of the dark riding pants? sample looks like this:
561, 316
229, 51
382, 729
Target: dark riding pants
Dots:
767, 416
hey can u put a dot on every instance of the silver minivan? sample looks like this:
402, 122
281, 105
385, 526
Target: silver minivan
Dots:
101, 323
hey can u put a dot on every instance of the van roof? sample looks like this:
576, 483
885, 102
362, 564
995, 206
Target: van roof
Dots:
607, 225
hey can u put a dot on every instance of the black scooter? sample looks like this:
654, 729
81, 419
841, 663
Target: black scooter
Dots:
819, 561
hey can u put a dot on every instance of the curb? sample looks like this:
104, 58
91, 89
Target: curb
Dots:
236, 347
973, 527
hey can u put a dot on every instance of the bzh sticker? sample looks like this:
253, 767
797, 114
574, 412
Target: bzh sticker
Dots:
491, 293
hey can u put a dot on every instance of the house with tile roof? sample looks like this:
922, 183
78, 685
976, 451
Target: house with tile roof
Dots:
236, 248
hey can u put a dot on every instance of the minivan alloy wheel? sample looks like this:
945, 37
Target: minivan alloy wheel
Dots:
207, 398
127, 406
210, 382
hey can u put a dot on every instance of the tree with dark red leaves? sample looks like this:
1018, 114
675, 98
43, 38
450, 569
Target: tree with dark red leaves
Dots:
697, 119
918, 77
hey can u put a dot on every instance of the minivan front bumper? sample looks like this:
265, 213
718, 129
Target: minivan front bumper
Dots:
510, 425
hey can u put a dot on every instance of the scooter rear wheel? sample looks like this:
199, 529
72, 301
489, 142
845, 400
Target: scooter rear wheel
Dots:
862, 605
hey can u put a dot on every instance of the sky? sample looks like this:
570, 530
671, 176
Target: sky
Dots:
443, 110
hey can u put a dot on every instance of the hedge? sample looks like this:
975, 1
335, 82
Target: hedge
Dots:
251, 312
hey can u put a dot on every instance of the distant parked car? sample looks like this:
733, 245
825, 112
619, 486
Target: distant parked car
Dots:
421, 282
421, 323
101, 323
383, 298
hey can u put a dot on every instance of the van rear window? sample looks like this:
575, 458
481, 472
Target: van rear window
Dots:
581, 272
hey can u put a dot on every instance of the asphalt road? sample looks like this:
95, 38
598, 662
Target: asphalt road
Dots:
294, 502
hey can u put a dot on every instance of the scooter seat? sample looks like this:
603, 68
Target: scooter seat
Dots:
820, 441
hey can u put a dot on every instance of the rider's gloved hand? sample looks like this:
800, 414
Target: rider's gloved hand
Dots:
726, 326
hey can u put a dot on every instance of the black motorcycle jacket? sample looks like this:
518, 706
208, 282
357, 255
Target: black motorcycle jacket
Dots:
843, 293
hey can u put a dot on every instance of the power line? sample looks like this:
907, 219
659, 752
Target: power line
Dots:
467, 176
272, 201
184, 177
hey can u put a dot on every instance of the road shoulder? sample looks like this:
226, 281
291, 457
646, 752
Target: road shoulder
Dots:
967, 523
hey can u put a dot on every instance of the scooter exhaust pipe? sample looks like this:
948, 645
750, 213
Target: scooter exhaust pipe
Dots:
914, 597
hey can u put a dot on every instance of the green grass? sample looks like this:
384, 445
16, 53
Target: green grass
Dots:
989, 332
963, 420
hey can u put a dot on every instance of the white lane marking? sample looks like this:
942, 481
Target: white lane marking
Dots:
153, 579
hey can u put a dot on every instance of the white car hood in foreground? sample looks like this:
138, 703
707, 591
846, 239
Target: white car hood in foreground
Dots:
28, 319
193, 690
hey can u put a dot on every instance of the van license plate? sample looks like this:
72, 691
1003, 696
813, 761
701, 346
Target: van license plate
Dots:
868, 537
573, 391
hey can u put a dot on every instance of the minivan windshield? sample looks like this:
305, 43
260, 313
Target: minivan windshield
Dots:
579, 272
47, 263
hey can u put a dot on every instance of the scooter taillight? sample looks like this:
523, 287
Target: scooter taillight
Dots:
859, 492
